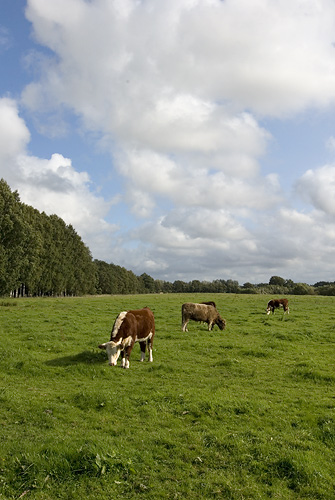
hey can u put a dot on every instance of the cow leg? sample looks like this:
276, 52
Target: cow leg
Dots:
123, 360
142, 346
210, 326
184, 326
150, 342
128, 350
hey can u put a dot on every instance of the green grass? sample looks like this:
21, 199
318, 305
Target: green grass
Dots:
248, 413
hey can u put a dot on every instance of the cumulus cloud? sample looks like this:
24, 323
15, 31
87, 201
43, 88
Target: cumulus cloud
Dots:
51, 185
273, 58
318, 188
177, 93
14, 134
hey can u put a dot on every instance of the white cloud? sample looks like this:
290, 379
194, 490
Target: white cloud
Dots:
14, 134
318, 188
176, 91
271, 57
51, 185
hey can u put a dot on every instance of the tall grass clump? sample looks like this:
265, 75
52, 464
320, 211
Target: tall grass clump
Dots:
247, 413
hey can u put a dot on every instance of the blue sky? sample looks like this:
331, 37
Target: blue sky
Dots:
190, 139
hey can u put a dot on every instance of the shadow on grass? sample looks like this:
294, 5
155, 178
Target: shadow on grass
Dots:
82, 358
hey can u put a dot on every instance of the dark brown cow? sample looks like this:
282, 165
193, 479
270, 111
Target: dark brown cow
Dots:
209, 303
130, 327
276, 304
201, 312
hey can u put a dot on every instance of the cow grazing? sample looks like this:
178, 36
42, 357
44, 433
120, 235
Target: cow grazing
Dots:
130, 327
201, 312
276, 304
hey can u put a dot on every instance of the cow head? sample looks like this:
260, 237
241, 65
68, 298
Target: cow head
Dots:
221, 323
269, 307
113, 350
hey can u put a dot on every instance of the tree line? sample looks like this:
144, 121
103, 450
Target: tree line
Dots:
40, 255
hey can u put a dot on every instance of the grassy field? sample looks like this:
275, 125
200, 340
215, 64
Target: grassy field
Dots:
247, 413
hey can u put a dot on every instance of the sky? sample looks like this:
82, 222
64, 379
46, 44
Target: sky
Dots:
188, 139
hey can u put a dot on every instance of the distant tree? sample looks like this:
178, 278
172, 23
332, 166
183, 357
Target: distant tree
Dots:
40, 254
148, 283
289, 284
232, 286
103, 277
277, 280
167, 287
31, 265
248, 288
81, 268
195, 286
303, 289
179, 286
322, 283
13, 235
248, 285
326, 289
219, 286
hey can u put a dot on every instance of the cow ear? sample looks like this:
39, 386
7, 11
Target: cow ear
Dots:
102, 346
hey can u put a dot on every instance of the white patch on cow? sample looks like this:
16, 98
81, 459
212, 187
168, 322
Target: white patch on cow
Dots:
118, 323
150, 355
144, 338
126, 365
127, 341
123, 362
113, 350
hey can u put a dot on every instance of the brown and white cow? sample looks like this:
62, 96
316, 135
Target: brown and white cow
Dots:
130, 327
276, 304
201, 312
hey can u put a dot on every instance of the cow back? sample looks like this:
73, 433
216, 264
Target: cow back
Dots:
198, 312
145, 321
136, 323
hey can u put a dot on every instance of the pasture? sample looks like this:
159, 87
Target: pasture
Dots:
247, 413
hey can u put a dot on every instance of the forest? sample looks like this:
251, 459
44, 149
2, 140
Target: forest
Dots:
40, 255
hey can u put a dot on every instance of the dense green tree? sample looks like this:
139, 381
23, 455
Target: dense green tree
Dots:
41, 255
325, 288
277, 280
149, 285
179, 286
13, 235
303, 289
33, 244
232, 286
103, 277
